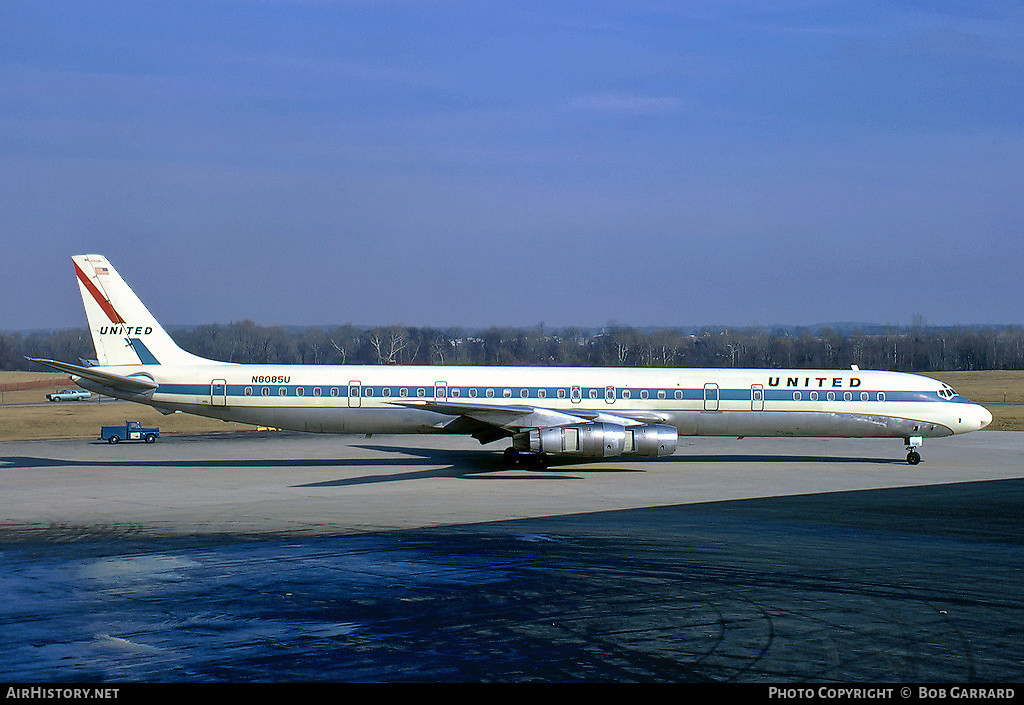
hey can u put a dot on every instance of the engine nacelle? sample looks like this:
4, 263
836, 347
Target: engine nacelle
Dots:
592, 440
653, 440
599, 440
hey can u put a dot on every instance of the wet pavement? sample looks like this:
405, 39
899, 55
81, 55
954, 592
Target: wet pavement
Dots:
922, 584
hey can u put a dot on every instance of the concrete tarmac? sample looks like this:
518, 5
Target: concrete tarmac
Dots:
280, 556
306, 484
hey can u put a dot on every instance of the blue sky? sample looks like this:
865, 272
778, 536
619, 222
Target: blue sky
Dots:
446, 163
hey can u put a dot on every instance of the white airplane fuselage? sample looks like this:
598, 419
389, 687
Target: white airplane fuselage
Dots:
697, 402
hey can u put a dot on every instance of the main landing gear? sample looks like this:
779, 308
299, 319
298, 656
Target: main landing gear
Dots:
913, 457
514, 459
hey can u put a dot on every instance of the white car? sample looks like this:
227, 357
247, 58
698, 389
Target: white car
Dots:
69, 395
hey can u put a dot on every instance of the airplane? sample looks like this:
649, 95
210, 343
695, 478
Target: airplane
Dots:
577, 412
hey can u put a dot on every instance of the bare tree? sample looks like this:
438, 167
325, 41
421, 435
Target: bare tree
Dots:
388, 343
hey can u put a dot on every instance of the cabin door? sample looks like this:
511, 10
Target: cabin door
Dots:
219, 392
710, 397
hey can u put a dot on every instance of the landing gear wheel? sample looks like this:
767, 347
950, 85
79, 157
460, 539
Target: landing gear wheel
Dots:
511, 457
913, 458
539, 461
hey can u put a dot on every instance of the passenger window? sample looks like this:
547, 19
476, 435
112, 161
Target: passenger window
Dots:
796, 396
403, 392
282, 391
524, 393
561, 394
490, 392
661, 393
472, 391
248, 391
542, 393
265, 391
593, 394
334, 391
644, 394
300, 391
848, 396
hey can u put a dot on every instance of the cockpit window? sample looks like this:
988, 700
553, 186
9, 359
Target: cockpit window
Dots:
947, 392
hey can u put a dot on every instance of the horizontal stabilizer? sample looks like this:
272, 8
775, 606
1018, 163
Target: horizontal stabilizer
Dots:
132, 385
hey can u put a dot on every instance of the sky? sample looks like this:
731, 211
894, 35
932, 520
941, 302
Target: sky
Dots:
453, 163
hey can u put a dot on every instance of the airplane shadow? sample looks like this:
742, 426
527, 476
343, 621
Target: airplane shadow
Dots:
456, 464
488, 465
777, 459
470, 465
464, 464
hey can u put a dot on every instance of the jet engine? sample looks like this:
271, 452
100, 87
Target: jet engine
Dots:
652, 440
599, 440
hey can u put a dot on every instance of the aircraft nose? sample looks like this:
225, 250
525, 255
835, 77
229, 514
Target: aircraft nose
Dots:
984, 417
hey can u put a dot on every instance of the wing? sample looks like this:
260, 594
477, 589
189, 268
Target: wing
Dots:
489, 422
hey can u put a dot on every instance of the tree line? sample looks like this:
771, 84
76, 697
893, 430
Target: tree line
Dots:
917, 348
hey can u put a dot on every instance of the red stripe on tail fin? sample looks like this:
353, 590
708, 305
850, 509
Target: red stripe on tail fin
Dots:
101, 300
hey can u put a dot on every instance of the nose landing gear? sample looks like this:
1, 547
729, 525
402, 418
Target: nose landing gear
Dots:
913, 457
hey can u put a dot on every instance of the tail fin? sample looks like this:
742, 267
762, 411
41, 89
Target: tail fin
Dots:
124, 332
